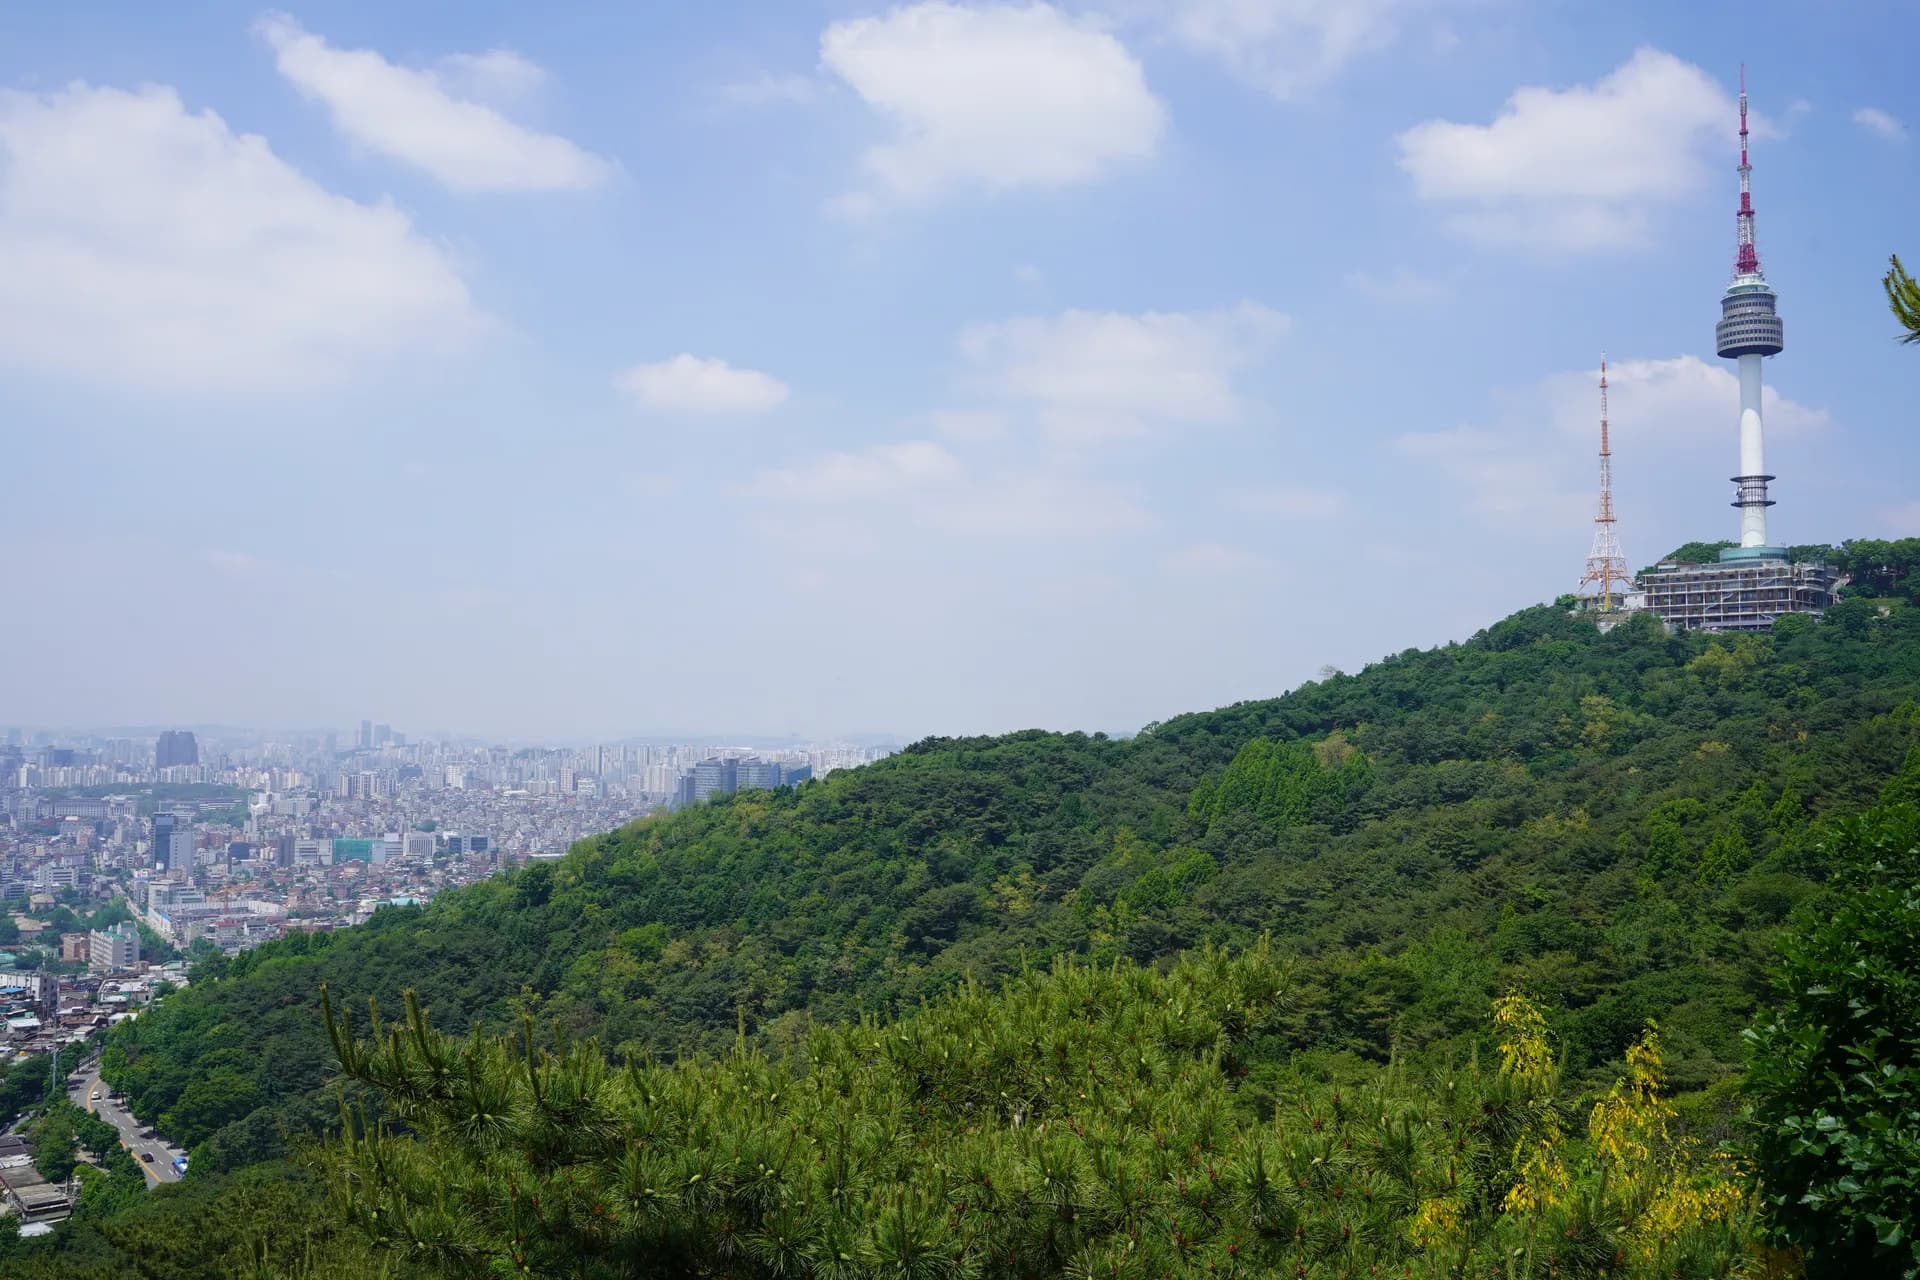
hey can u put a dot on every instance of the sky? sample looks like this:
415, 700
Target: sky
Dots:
572, 371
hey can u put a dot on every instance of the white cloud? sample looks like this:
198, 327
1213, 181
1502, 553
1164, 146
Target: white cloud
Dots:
1533, 467
496, 75
145, 245
1286, 47
1580, 167
1290, 502
696, 384
418, 117
1876, 121
1656, 405
1210, 559
994, 97
923, 485
1102, 374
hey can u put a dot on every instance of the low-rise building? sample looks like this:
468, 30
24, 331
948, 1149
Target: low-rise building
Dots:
1747, 589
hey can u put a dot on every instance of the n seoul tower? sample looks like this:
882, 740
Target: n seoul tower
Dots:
1749, 329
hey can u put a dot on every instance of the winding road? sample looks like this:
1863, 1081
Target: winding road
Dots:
81, 1088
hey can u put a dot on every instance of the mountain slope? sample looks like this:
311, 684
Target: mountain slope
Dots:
1615, 823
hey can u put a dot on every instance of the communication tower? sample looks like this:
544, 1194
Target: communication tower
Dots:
1606, 564
1749, 328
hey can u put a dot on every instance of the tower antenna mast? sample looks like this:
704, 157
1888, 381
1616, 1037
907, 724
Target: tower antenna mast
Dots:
1606, 564
1746, 257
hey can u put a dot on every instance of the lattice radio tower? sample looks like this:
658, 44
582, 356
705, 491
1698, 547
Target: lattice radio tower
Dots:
1606, 565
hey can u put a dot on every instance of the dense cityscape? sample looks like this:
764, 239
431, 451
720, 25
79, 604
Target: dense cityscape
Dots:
237, 838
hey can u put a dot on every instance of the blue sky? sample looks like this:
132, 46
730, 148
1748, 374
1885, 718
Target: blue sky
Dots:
818, 367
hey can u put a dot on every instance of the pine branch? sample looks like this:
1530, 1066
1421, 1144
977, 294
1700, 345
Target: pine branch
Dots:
1903, 297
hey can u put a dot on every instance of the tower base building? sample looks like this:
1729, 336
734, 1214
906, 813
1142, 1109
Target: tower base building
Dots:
1747, 590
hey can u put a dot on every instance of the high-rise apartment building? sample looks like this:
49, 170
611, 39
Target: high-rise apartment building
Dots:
752, 774
711, 776
727, 774
114, 950
175, 747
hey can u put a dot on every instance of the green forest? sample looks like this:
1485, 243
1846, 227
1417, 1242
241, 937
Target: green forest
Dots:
1478, 962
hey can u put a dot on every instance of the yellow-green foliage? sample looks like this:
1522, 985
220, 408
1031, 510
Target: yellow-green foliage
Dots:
1090, 1121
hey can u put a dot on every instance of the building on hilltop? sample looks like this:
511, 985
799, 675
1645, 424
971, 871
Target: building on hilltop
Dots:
1746, 590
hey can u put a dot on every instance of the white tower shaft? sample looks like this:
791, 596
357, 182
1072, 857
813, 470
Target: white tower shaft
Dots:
1753, 518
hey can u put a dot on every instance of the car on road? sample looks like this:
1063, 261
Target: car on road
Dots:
94, 1096
147, 1156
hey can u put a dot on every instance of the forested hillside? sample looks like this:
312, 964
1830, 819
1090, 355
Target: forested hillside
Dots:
1614, 823
1099, 1121
1088, 1121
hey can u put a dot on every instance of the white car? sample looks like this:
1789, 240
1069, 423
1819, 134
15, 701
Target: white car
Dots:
94, 1096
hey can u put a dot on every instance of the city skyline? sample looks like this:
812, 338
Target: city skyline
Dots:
235, 842
19, 735
895, 369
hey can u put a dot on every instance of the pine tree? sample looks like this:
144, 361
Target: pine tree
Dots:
1903, 296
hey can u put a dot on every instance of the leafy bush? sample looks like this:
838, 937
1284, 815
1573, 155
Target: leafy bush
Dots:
1836, 1069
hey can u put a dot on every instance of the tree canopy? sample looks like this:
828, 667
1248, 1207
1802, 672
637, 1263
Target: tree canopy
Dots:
1091, 1121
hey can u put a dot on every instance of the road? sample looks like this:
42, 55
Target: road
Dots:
81, 1089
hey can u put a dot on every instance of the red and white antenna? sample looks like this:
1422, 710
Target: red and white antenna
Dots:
1606, 563
1746, 260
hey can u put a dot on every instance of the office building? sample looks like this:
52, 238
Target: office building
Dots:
172, 842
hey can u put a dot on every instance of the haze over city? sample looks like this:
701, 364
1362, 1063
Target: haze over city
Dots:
833, 368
